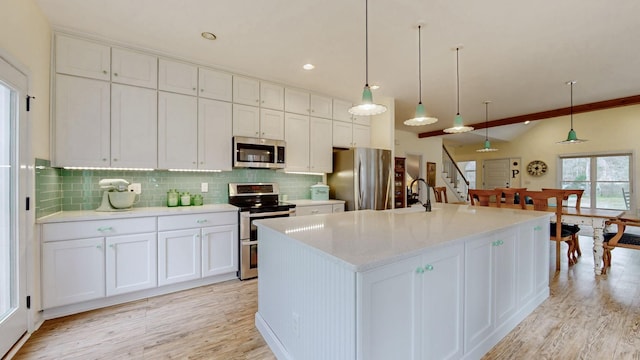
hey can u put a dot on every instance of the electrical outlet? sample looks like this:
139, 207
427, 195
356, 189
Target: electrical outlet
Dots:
136, 188
295, 324
204, 187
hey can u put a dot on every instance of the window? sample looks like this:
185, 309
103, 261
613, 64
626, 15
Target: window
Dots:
468, 169
605, 179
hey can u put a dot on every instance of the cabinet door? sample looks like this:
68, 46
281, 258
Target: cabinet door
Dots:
215, 85
72, 271
541, 246
296, 101
442, 294
134, 68
297, 137
131, 263
82, 125
505, 256
134, 127
338, 208
177, 131
320, 145
361, 136
271, 96
478, 294
362, 120
214, 135
321, 106
341, 110
179, 256
526, 271
177, 77
246, 121
246, 91
390, 297
342, 134
82, 58
271, 124
313, 210
219, 250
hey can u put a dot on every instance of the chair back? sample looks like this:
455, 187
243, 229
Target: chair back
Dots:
440, 194
484, 197
566, 193
511, 195
540, 200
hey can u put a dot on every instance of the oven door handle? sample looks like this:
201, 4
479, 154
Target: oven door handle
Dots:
275, 213
248, 242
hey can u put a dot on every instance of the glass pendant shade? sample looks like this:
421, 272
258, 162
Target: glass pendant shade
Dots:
458, 124
367, 107
487, 144
420, 117
572, 138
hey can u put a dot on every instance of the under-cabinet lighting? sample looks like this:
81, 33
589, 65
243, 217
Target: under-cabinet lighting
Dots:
194, 170
104, 168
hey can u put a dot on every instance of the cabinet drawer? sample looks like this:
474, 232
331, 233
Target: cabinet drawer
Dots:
338, 208
175, 222
313, 210
97, 228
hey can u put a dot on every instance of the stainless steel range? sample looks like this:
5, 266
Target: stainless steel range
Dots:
256, 201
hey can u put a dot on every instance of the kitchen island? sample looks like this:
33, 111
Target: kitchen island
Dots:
399, 284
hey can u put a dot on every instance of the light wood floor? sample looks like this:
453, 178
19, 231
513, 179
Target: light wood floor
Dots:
586, 317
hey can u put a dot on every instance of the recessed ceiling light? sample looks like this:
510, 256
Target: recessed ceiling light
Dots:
208, 35
375, 87
527, 122
308, 66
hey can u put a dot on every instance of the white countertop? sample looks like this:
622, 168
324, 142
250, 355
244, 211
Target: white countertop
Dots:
367, 238
307, 202
82, 215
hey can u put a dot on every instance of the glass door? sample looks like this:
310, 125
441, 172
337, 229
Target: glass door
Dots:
13, 313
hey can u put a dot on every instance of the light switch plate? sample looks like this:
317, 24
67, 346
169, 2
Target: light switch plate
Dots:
204, 187
136, 188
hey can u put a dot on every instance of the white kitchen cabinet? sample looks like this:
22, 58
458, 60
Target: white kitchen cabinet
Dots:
341, 110
296, 101
177, 77
321, 106
177, 131
130, 263
216, 85
424, 291
72, 271
532, 275
271, 96
297, 139
348, 135
320, 145
362, 120
246, 121
82, 122
219, 250
490, 292
82, 58
134, 68
313, 209
337, 208
134, 127
246, 91
271, 124
179, 256
361, 135
214, 135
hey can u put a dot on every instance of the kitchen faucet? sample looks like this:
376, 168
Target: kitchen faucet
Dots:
427, 204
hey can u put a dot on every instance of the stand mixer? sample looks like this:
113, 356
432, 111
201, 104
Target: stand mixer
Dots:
116, 196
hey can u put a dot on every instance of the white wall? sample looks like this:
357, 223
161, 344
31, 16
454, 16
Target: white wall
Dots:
382, 126
430, 149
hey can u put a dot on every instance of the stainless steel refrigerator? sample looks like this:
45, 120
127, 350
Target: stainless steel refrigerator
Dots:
362, 177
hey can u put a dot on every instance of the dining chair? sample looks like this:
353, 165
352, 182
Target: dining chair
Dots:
567, 193
620, 238
511, 195
480, 197
540, 200
440, 194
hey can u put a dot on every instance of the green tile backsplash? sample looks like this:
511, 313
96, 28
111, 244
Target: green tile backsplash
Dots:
62, 189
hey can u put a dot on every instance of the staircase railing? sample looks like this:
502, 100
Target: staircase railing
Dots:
456, 176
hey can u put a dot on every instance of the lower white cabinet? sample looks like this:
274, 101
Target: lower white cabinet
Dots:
302, 210
219, 250
178, 256
130, 263
424, 291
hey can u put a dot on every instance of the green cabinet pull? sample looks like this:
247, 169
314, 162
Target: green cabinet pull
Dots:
537, 228
428, 267
105, 228
497, 243
419, 270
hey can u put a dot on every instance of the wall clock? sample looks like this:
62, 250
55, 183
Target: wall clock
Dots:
537, 168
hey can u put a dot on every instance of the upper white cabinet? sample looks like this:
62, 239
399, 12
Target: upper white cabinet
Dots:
215, 85
301, 102
271, 96
82, 124
320, 145
82, 58
246, 91
251, 121
177, 77
134, 127
361, 135
341, 110
321, 106
177, 131
271, 124
351, 135
134, 68
308, 144
214, 135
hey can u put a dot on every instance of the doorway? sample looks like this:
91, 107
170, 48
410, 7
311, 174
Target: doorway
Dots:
496, 173
13, 187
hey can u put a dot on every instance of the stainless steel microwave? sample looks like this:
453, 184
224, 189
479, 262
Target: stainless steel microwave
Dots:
258, 153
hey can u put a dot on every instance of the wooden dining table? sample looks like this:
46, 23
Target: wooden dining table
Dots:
595, 218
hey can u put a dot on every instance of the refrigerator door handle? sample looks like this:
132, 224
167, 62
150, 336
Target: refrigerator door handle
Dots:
359, 190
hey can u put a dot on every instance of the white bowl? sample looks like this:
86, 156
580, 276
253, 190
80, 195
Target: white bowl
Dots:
122, 200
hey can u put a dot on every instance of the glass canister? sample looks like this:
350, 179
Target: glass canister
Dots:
185, 199
196, 200
172, 198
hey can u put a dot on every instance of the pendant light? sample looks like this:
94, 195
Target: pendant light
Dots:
367, 107
572, 138
487, 145
458, 125
420, 117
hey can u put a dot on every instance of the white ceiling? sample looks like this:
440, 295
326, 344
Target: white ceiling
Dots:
517, 54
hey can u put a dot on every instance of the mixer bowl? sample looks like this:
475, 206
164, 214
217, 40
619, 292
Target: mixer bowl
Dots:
122, 200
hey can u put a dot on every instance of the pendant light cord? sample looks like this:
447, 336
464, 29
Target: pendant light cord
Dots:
486, 120
419, 64
571, 108
458, 76
366, 42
